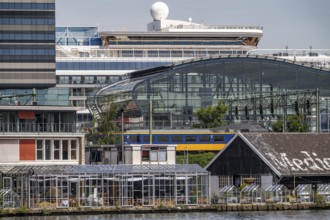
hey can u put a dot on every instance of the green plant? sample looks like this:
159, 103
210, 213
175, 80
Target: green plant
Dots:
22, 210
242, 186
183, 207
45, 212
161, 206
319, 199
212, 116
201, 159
117, 206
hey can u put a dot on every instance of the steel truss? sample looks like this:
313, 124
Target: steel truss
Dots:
274, 105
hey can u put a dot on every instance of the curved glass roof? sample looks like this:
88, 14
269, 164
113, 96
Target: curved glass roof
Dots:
280, 71
178, 90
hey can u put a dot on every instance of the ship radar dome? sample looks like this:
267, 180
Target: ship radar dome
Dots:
159, 11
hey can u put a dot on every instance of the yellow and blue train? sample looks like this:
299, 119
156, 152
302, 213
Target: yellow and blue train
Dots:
186, 140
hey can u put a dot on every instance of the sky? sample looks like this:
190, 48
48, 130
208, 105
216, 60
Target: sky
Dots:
297, 24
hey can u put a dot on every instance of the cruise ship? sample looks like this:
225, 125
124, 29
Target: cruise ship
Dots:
87, 58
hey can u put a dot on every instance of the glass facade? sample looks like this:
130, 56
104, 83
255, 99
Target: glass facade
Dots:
242, 82
78, 36
27, 50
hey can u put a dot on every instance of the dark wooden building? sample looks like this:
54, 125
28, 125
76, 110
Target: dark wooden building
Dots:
272, 158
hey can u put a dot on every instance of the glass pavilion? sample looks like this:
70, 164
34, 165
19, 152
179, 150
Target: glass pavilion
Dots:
277, 193
251, 194
324, 191
304, 193
229, 194
104, 186
257, 88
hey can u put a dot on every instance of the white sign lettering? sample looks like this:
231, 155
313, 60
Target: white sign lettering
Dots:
309, 162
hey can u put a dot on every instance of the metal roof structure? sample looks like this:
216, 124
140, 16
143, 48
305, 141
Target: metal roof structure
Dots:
250, 188
100, 169
276, 188
228, 188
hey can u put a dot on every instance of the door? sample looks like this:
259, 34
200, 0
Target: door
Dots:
62, 193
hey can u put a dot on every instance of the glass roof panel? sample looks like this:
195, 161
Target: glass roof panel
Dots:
103, 169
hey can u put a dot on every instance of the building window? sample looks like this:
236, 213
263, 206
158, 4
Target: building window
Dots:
56, 149
64, 80
225, 181
40, 150
154, 154
48, 149
65, 150
89, 79
76, 79
74, 148
101, 79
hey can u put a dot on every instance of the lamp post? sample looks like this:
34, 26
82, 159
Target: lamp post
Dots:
150, 121
122, 136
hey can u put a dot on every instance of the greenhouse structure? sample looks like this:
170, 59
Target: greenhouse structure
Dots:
64, 186
251, 194
324, 190
277, 193
304, 193
229, 194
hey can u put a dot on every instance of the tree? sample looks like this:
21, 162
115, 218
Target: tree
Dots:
212, 116
201, 159
294, 123
277, 126
107, 131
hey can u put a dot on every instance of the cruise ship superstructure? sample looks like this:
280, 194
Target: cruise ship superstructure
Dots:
88, 58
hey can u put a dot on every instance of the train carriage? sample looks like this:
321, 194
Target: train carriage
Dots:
186, 140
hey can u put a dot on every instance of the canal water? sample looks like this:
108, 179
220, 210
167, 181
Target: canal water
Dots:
306, 214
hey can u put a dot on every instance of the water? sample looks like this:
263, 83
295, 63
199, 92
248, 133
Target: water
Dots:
306, 214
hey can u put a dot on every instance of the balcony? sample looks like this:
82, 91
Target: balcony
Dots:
37, 128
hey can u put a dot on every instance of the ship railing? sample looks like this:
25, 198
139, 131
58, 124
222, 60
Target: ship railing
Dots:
104, 54
315, 53
218, 27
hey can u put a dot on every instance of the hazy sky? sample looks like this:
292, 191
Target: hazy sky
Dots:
292, 23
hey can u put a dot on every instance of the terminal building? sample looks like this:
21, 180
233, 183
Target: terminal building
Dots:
256, 88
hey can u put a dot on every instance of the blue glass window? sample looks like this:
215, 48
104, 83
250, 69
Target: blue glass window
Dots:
40, 6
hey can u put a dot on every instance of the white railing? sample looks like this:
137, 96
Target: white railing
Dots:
105, 54
217, 27
37, 128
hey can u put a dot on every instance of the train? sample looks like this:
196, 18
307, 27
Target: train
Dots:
186, 140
